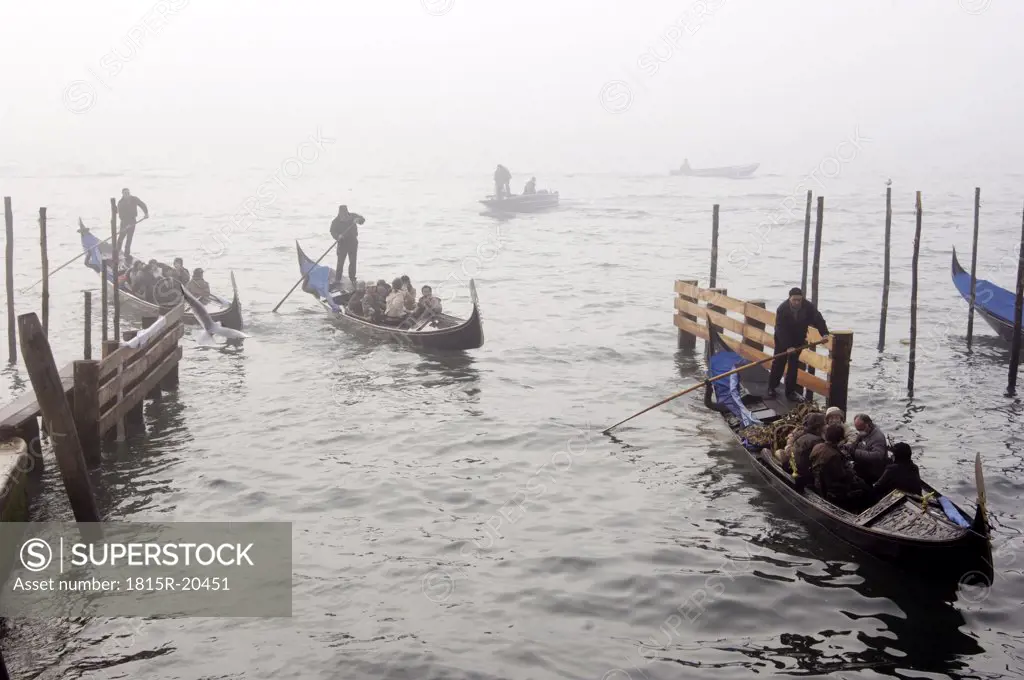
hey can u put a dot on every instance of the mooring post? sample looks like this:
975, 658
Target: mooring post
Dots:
1011, 389
87, 313
707, 345
713, 279
87, 409
817, 250
134, 414
885, 275
12, 341
839, 379
154, 393
974, 264
807, 242
754, 323
913, 300
686, 339
46, 271
53, 406
116, 269
103, 300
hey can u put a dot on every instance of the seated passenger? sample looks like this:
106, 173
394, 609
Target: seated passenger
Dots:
901, 474
180, 272
410, 292
869, 453
814, 426
428, 304
531, 186
835, 415
396, 308
833, 478
355, 301
198, 286
143, 283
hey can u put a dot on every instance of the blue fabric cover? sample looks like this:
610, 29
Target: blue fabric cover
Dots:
318, 279
727, 390
952, 514
93, 259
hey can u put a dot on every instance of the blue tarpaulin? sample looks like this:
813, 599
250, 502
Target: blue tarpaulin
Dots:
318, 279
93, 258
727, 390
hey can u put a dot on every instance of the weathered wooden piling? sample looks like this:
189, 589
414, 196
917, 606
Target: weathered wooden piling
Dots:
688, 340
87, 408
713, 279
46, 271
109, 347
885, 274
53, 406
913, 300
974, 264
116, 269
754, 323
817, 250
1011, 389
12, 340
807, 242
155, 393
135, 414
87, 313
711, 306
103, 300
839, 378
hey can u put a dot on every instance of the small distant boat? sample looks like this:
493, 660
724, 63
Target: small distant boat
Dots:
523, 203
994, 304
447, 333
728, 171
227, 312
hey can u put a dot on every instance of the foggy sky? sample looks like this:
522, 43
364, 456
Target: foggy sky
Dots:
220, 84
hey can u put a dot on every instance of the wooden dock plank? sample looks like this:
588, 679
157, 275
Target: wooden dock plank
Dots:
25, 406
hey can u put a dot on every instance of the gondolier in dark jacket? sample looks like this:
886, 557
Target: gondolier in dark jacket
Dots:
128, 211
345, 230
502, 182
792, 319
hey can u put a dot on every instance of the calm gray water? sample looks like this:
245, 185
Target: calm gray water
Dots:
462, 517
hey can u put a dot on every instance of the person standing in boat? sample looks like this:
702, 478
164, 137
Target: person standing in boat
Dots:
345, 230
128, 211
792, 319
502, 182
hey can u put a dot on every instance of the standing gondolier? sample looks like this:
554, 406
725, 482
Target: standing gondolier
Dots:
128, 211
345, 230
502, 182
792, 319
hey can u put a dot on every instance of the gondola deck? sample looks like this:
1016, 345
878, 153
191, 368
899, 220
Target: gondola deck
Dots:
898, 528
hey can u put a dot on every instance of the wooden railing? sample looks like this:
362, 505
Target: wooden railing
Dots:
109, 391
828, 373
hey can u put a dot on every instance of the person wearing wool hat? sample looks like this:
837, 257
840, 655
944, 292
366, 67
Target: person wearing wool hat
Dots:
901, 474
792, 319
835, 415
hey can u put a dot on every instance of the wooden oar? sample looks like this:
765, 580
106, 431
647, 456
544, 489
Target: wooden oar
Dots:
76, 256
303, 277
716, 378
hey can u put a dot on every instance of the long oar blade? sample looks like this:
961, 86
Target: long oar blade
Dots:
715, 379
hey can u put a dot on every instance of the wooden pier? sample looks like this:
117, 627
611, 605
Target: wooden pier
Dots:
81, 404
745, 333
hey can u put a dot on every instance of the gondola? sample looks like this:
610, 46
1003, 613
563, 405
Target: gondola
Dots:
228, 313
523, 203
726, 172
928, 535
445, 332
994, 304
